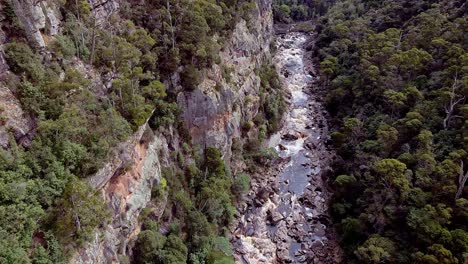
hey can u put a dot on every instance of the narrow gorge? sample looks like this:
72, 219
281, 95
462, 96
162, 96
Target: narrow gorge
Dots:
164, 130
286, 218
233, 131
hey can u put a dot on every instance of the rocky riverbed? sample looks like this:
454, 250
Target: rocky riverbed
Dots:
285, 218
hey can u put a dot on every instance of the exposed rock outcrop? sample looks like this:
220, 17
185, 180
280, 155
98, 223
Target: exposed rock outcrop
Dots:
126, 183
13, 121
103, 8
214, 112
41, 19
214, 118
12, 118
37, 18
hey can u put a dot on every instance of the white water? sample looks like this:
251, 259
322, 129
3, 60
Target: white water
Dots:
299, 201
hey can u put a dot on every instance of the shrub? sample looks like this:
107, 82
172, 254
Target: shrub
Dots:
190, 78
22, 60
226, 72
241, 184
148, 246
63, 47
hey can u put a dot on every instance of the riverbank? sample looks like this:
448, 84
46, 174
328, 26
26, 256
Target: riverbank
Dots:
285, 218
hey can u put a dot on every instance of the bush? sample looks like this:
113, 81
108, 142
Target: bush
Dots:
273, 103
344, 180
214, 162
241, 184
227, 71
148, 246
159, 189
263, 156
164, 115
282, 13
22, 60
190, 78
63, 47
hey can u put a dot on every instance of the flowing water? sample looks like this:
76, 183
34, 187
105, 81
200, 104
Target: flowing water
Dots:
289, 224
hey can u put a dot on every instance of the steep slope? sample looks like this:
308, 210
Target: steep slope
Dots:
86, 93
215, 112
213, 115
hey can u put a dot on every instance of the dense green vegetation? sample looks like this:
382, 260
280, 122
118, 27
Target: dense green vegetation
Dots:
89, 89
272, 104
397, 79
288, 11
200, 195
201, 191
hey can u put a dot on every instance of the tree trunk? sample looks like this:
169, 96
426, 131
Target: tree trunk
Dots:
461, 181
93, 45
450, 107
168, 6
81, 25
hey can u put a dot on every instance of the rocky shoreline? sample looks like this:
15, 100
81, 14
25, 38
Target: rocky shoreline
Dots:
285, 217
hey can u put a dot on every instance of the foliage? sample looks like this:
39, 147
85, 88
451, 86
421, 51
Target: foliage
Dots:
149, 246
272, 97
24, 61
79, 211
87, 91
241, 184
393, 72
191, 77
201, 199
288, 11
63, 47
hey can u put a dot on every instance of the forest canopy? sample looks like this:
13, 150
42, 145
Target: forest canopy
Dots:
397, 80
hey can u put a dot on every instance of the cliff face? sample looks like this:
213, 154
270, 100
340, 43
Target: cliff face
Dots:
41, 21
37, 18
126, 184
13, 118
229, 94
214, 118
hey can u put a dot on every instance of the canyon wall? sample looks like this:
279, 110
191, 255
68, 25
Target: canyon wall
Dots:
126, 183
214, 113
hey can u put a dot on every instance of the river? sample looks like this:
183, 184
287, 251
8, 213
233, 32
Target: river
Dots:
286, 219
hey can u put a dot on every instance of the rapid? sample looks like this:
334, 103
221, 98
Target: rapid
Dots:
286, 219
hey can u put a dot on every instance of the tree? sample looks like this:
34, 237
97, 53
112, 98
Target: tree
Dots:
387, 137
461, 181
22, 60
377, 249
190, 77
395, 99
328, 67
174, 251
395, 87
393, 173
79, 211
428, 223
149, 246
437, 254
455, 99
10, 250
214, 200
282, 13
